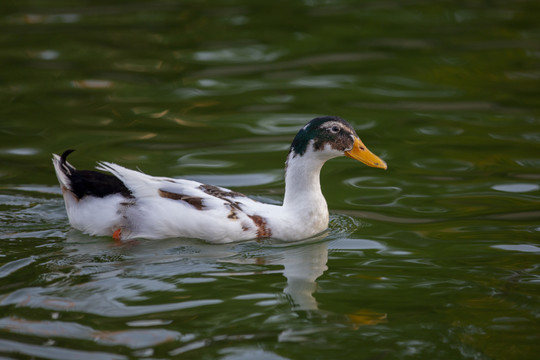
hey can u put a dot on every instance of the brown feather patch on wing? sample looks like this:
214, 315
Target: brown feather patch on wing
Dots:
236, 207
194, 201
219, 193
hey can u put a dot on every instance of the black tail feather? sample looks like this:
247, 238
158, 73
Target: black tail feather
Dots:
65, 154
92, 183
63, 163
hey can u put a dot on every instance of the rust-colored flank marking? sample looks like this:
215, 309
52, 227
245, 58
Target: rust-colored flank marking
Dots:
194, 201
260, 222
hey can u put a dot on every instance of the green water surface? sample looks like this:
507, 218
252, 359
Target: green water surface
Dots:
435, 258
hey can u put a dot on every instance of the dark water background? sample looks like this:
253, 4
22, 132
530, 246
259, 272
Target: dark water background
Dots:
436, 258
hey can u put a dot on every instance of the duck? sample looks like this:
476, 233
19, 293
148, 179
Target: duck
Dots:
128, 204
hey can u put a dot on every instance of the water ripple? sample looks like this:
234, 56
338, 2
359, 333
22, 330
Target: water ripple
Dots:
246, 54
134, 339
55, 352
446, 165
91, 300
516, 188
527, 248
300, 63
12, 266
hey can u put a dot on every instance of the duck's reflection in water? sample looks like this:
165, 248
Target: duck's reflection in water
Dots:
302, 267
302, 263
95, 276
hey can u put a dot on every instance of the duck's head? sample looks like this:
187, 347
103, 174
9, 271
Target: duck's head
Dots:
330, 136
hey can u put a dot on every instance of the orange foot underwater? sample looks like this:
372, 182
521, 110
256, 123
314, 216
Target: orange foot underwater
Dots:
117, 236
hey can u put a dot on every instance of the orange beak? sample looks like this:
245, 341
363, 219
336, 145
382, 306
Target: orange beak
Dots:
361, 153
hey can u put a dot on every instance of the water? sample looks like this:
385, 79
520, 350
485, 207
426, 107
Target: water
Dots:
436, 258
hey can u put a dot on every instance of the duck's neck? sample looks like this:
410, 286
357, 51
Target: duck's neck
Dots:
303, 195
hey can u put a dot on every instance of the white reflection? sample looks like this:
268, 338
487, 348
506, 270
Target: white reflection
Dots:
22, 151
147, 266
518, 247
516, 188
302, 267
328, 81
246, 54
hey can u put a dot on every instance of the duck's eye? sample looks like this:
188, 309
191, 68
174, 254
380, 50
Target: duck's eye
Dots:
334, 129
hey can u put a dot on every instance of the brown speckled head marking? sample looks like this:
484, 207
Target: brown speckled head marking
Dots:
194, 201
322, 131
341, 140
262, 229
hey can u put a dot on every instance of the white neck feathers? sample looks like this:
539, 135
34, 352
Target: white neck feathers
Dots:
302, 183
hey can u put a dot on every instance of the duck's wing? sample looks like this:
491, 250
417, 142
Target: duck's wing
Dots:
200, 196
165, 207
